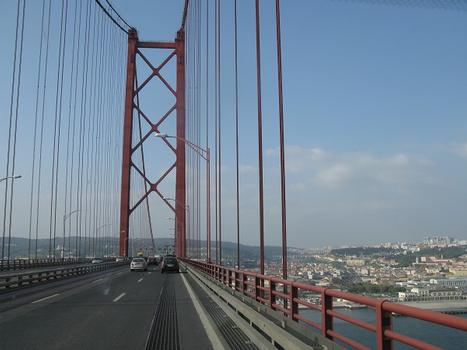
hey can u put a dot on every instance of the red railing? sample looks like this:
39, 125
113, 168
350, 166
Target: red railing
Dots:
287, 296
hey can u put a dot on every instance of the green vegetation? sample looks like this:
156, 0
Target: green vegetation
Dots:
362, 251
368, 288
446, 253
403, 260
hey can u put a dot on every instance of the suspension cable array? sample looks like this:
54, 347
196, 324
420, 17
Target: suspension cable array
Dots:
60, 146
218, 83
74, 184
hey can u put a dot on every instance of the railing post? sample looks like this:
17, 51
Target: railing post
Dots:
257, 290
293, 304
272, 297
383, 322
326, 320
244, 280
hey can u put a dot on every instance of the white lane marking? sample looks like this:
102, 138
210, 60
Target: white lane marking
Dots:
149, 272
140, 279
119, 297
211, 333
100, 279
49, 297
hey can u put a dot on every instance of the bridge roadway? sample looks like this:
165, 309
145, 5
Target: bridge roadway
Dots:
112, 309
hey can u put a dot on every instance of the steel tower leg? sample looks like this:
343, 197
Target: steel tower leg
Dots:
180, 193
127, 143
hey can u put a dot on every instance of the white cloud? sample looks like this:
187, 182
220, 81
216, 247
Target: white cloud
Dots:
247, 169
323, 168
297, 157
333, 176
460, 149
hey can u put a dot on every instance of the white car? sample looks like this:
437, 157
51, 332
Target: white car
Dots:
97, 261
138, 264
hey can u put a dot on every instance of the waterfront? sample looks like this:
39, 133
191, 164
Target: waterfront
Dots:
444, 337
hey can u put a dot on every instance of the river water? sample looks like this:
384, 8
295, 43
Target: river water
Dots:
443, 337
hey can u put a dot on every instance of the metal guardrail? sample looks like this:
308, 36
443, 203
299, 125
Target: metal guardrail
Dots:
15, 281
284, 296
23, 264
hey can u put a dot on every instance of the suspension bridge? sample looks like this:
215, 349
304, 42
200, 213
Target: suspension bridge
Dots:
105, 134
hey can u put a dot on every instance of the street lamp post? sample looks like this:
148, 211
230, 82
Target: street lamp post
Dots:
187, 209
173, 219
65, 217
205, 154
172, 234
97, 230
13, 177
2, 257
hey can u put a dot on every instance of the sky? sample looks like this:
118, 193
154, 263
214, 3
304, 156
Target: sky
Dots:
375, 118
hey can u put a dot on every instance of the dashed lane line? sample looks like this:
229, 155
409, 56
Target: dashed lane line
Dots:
46, 298
119, 297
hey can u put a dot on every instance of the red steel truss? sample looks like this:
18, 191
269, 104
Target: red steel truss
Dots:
176, 50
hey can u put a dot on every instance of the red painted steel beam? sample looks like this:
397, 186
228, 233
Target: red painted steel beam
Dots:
131, 91
156, 45
180, 191
260, 140
127, 143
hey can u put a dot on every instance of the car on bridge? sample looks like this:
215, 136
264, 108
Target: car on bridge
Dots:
138, 264
97, 261
169, 263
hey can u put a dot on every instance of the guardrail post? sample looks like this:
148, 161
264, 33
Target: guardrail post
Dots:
272, 297
293, 304
244, 285
257, 290
326, 320
383, 322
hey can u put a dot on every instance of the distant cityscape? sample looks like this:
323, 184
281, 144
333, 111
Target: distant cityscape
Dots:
432, 270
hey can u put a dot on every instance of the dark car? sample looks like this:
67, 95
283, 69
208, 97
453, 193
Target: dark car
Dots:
169, 263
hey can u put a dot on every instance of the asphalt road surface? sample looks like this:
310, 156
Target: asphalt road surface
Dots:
112, 309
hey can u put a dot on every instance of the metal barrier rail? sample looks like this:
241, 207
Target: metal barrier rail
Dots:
22, 264
13, 281
284, 296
